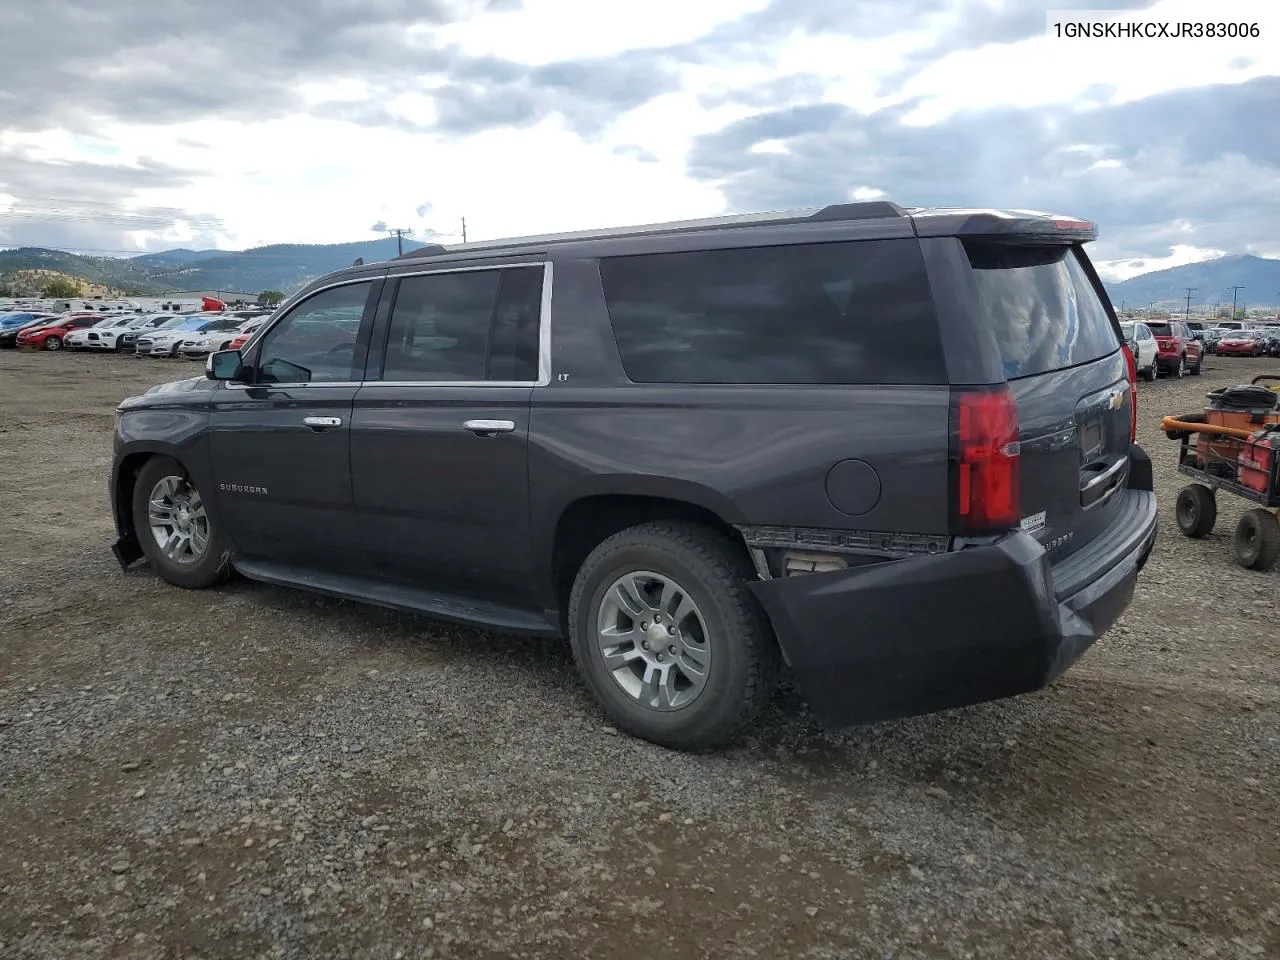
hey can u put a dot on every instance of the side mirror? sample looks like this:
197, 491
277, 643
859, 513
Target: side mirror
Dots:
224, 365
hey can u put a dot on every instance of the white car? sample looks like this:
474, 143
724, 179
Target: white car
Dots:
199, 345
165, 339
1143, 344
108, 335
80, 339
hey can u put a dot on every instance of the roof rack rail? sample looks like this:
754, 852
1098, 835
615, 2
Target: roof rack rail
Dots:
427, 250
864, 210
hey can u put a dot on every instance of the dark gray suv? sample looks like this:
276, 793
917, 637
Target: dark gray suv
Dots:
891, 448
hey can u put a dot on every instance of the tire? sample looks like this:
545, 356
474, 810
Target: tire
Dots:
213, 562
1181, 369
53, 343
1152, 372
1257, 540
1196, 510
1195, 371
741, 654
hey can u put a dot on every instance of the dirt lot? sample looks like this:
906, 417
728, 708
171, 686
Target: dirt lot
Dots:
252, 772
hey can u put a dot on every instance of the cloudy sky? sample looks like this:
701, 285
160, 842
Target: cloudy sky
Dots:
150, 124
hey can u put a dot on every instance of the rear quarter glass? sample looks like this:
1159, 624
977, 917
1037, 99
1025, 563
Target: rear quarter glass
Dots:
1042, 307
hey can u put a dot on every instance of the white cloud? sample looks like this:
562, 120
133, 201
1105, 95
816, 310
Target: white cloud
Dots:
1180, 255
308, 175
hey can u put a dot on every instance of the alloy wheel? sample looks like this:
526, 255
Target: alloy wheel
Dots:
178, 520
654, 640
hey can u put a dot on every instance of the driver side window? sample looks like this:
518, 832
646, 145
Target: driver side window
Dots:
317, 341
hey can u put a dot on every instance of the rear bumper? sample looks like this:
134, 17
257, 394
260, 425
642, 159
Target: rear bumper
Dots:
913, 636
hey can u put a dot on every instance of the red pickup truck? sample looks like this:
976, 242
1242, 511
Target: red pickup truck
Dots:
1177, 351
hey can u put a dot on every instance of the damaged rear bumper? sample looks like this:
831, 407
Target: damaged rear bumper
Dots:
913, 636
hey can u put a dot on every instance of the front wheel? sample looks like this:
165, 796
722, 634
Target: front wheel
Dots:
668, 637
1196, 510
1257, 540
53, 343
174, 529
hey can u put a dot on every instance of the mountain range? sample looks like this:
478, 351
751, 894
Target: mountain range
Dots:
1211, 281
287, 266
284, 266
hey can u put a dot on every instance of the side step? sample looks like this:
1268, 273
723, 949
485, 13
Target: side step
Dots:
394, 596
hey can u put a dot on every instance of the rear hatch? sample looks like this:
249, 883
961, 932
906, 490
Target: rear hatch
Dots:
1070, 380
1165, 339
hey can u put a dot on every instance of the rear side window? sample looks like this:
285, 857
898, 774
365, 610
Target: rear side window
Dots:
820, 313
468, 325
1045, 312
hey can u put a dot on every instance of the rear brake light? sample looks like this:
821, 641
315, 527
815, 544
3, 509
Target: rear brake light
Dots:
987, 463
1132, 364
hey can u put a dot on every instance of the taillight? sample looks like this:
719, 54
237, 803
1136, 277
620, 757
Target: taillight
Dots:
1132, 364
986, 464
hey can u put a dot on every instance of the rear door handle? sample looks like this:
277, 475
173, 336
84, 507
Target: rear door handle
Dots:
322, 423
483, 427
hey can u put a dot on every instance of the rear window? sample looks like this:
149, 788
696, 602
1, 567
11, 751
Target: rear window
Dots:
819, 313
1045, 312
1161, 329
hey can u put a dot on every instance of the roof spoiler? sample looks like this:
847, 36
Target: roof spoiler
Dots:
1004, 226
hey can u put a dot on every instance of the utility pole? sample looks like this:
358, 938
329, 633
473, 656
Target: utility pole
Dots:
464, 229
1151, 308
1190, 291
1234, 292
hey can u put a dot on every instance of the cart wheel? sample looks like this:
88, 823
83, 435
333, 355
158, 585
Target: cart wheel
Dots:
1196, 510
1257, 540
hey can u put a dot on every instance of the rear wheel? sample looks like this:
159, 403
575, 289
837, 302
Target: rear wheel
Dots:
1195, 371
668, 637
1153, 371
1257, 541
1196, 510
1181, 368
53, 343
173, 527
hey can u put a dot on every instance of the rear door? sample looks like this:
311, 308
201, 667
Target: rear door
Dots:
1062, 359
440, 431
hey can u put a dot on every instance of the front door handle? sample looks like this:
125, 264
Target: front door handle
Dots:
486, 427
322, 423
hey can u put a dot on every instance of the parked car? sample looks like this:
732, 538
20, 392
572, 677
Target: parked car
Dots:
9, 321
52, 334
9, 333
247, 331
89, 337
163, 341
1271, 341
148, 322
1242, 343
1142, 344
1179, 352
833, 436
214, 336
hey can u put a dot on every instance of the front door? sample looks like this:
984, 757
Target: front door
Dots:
439, 442
280, 442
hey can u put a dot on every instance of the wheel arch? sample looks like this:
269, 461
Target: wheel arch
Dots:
589, 519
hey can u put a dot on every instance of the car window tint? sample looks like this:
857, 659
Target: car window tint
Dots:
1042, 307
852, 312
316, 342
513, 348
467, 326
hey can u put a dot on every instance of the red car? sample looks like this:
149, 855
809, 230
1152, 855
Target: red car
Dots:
51, 335
1177, 351
247, 331
1242, 343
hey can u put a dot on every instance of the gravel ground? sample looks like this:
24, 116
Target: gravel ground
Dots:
253, 772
